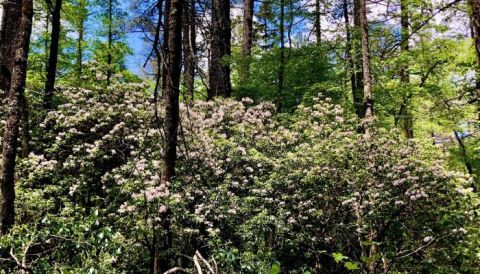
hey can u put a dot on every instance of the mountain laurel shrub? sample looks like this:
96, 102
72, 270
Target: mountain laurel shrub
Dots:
304, 191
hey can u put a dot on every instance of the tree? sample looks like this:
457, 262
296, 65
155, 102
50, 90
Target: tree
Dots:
15, 95
7, 48
281, 65
220, 50
189, 46
55, 11
404, 115
367, 76
475, 24
318, 22
357, 70
247, 41
173, 57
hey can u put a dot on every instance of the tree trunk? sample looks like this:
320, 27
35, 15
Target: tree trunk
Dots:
173, 60
281, 65
463, 152
53, 56
247, 39
475, 22
110, 41
189, 47
318, 22
219, 70
348, 55
10, 21
80, 39
405, 117
357, 71
15, 95
367, 76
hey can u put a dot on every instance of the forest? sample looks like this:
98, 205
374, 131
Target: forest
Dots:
228, 136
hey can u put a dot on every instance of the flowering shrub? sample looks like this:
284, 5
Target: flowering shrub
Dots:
252, 188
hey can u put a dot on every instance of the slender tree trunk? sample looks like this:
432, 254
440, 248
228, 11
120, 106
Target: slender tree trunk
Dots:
475, 22
463, 152
53, 56
110, 41
247, 39
318, 22
367, 76
15, 95
281, 65
189, 41
165, 42
475, 26
348, 55
405, 117
80, 39
10, 21
357, 71
220, 49
173, 60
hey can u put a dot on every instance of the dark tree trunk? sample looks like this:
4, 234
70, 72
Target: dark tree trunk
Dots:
463, 152
357, 71
318, 22
80, 39
189, 47
219, 70
281, 65
10, 21
405, 116
172, 73
367, 76
475, 22
53, 56
247, 39
348, 54
165, 43
15, 95
110, 41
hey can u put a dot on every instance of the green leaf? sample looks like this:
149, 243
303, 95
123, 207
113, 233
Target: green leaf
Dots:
338, 257
351, 265
275, 268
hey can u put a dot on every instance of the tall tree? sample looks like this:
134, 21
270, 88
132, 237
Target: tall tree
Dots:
404, 113
173, 58
110, 41
281, 65
189, 46
7, 48
357, 70
55, 11
247, 41
367, 75
318, 22
220, 49
15, 95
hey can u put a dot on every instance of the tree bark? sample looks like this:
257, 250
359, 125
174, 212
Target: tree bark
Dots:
367, 76
247, 39
53, 56
110, 41
10, 21
357, 71
220, 49
189, 47
173, 60
281, 65
80, 40
404, 114
318, 22
15, 95
475, 22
